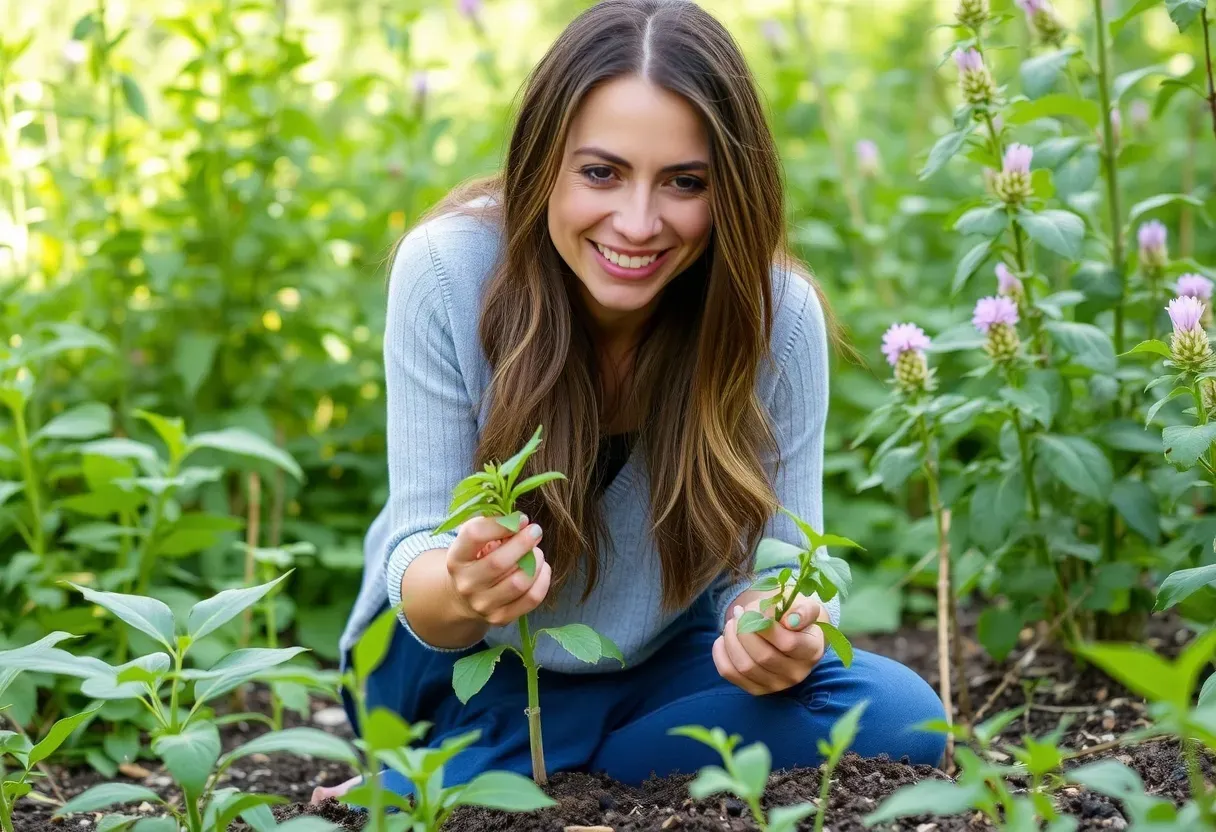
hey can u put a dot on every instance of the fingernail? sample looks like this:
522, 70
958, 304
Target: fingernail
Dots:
794, 620
738, 611
523, 519
534, 531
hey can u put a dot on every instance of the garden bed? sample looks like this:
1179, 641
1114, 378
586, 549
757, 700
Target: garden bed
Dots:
1097, 709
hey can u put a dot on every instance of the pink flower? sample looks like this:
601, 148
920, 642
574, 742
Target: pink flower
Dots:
469, 8
1033, 7
1007, 283
1152, 236
994, 310
968, 60
1195, 286
867, 156
901, 338
1185, 313
1017, 159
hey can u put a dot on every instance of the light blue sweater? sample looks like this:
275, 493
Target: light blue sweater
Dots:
437, 379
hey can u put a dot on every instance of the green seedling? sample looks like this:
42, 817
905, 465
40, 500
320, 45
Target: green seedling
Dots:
492, 492
818, 574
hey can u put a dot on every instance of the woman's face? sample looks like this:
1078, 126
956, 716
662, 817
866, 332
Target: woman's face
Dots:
630, 208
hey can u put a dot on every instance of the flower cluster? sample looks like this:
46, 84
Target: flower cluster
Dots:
1189, 345
972, 13
1043, 21
904, 346
974, 79
1152, 238
1012, 185
997, 317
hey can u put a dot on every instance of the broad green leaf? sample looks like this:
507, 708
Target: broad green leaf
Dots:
59, 732
44, 657
193, 356
1184, 12
988, 220
195, 532
943, 151
1039, 73
8, 489
609, 650
148, 615
245, 443
578, 640
752, 622
171, 431
242, 804
1032, 402
786, 818
209, 615
127, 681
1137, 9
84, 422
1088, 345
133, 96
1159, 201
998, 630
1077, 463
1141, 670
1182, 584
837, 641
1156, 407
771, 553
1153, 347
191, 755
844, 730
385, 730
1057, 104
897, 465
1107, 777
712, 780
1184, 444
835, 572
236, 668
969, 265
470, 674
928, 797
504, 790
108, 794
1137, 504
753, 764
1207, 694
373, 645
307, 742
1061, 232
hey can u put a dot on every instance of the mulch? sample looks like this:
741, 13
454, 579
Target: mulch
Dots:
1089, 709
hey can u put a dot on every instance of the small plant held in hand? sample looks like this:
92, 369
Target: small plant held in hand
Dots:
818, 574
492, 492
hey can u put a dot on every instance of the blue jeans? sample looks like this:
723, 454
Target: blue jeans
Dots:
617, 722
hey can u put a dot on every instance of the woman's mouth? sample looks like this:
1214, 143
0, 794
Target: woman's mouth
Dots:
628, 267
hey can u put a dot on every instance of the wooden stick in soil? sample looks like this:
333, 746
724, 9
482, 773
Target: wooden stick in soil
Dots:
252, 535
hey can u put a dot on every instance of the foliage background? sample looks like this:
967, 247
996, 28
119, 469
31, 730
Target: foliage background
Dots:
216, 194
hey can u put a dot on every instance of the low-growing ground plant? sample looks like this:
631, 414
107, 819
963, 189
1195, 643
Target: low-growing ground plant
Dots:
492, 492
17, 782
744, 773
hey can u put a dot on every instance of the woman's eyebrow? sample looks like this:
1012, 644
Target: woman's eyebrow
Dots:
695, 164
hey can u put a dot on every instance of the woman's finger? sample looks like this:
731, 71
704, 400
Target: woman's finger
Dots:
473, 535
728, 671
530, 599
745, 663
500, 563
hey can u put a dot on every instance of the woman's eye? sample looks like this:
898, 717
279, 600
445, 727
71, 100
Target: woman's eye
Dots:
597, 174
688, 184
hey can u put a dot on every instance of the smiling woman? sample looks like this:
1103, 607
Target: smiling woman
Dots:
624, 283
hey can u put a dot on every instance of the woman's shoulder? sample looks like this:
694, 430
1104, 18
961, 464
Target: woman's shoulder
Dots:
799, 323
454, 252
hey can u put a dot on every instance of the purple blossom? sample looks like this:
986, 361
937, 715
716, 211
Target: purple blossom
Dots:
1033, 7
867, 156
968, 60
1195, 286
469, 8
421, 83
1185, 313
1152, 236
1007, 282
1017, 159
901, 338
994, 310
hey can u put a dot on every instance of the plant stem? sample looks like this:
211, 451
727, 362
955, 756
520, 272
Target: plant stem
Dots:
1153, 308
944, 596
146, 559
1032, 314
6, 811
194, 820
371, 774
32, 489
1199, 789
1108, 162
176, 683
825, 787
253, 534
533, 710
1207, 57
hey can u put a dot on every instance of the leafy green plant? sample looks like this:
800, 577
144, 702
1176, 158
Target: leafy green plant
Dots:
744, 773
819, 573
16, 745
492, 492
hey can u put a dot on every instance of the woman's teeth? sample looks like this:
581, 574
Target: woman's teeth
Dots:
624, 261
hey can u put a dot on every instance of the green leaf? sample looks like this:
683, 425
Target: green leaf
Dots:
1157, 405
245, 443
1137, 9
752, 766
527, 563
609, 650
786, 818
148, 615
308, 824
385, 730
1039, 73
108, 794
191, 755
1152, 347
998, 630
1184, 444
1034, 402
1061, 232
192, 358
195, 532
1180, 585
988, 220
133, 96
943, 151
752, 622
505, 791
969, 265
844, 730
306, 742
120, 448
83, 422
1137, 504
712, 780
44, 657
1088, 345
535, 481
928, 797
837, 641
897, 465
1125, 81
1159, 201
126, 681
1108, 777
470, 674
1184, 12
236, 668
8, 489
1207, 694
1142, 671
771, 553
242, 804
510, 521
373, 645
1050, 106
1077, 463
209, 615
59, 732
171, 431
511, 468
578, 640
84, 26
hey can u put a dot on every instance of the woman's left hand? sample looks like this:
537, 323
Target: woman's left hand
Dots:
776, 658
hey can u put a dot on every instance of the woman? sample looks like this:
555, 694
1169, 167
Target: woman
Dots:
625, 283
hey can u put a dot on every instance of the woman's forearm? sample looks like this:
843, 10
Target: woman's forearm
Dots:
432, 607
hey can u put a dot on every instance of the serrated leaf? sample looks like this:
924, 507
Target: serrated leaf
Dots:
1061, 232
1184, 444
470, 674
578, 640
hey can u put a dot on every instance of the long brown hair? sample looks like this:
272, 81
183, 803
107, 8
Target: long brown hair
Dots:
705, 436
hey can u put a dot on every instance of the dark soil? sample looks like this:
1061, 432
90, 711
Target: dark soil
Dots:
1089, 708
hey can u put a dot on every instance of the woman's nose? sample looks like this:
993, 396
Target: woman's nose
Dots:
638, 219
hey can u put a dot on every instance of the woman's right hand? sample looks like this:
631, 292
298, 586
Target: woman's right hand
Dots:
485, 577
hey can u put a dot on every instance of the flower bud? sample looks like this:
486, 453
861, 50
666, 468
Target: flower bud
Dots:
972, 13
868, 162
904, 346
1043, 21
1152, 237
1189, 345
1012, 185
997, 317
1207, 393
974, 79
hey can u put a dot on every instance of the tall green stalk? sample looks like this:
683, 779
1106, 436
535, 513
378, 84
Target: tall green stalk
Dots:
32, 488
1110, 167
534, 737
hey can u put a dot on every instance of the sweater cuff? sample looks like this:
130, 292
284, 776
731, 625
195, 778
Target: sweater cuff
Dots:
403, 555
731, 592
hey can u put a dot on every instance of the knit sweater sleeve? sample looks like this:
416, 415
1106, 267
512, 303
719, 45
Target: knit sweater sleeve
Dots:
798, 414
432, 429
